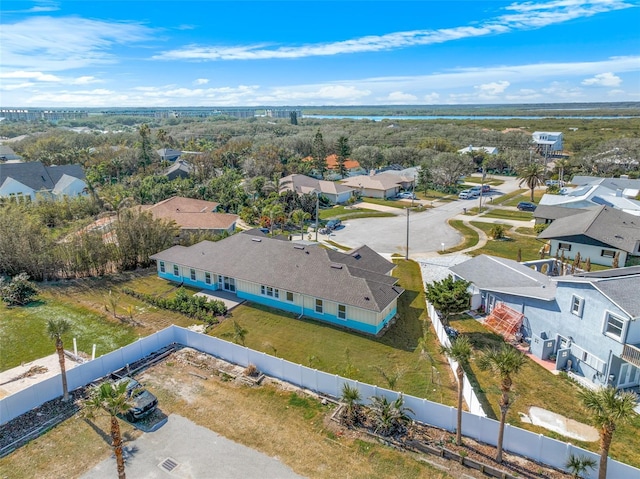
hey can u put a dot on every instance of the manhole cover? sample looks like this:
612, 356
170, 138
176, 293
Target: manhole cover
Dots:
168, 464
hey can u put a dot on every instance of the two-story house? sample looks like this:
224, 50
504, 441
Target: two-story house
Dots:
588, 322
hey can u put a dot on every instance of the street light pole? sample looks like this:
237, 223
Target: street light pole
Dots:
317, 206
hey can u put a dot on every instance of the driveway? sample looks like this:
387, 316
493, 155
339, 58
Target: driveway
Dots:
428, 230
196, 452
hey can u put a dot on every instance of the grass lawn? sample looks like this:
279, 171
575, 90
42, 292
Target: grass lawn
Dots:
350, 213
504, 199
436, 195
524, 196
509, 214
487, 181
535, 386
509, 248
471, 237
521, 230
24, 337
357, 356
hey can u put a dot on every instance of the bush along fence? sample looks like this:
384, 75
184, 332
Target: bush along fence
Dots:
536, 447
197, 307
467, 390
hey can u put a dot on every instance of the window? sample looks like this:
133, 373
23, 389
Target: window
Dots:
342, 311
577, 304
607, 253
162, 266
263, 290
207, 278
269, 291
319, 306
176, 270
614, 326
290, 296
193, 274
565, 246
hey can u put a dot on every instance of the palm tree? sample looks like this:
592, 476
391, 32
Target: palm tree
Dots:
533, 176
459, 351
504, 362
578, 465
274, 211
608, 408
113, 398
351, 398
389, 417
299, 217
55, 329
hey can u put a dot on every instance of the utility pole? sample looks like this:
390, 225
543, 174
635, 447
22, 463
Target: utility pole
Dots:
406, 256
317, 207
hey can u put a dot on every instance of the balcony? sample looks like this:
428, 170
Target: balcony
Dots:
631, 354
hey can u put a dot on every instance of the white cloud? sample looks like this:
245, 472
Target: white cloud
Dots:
400, 97
603, 79
55, 44
521, 16
201, 81
36, 76
85, 80
16, 86
493, 88
431, 97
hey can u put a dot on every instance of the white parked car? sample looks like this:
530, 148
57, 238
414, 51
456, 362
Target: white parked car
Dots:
469, 194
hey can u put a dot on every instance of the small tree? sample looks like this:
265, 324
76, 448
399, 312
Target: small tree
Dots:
19, 291
578, 465
351, 398
389, 417
299, 217
616, 260
239, 334
459, 351
587, 265
497, 231
55, 329
608, 408
113, 398
449, 297
519, 255
504, 362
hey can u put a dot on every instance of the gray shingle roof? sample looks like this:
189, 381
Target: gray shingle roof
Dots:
551, 212
309, 270
604, 224
620, 285
505, 276
37, 176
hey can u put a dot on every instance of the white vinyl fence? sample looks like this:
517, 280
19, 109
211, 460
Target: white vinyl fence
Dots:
535, 446
467, 390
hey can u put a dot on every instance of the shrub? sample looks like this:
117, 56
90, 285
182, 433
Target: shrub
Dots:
540, 228
497, 231
19, 291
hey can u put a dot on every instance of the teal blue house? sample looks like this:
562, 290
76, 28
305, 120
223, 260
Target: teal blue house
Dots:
354, 290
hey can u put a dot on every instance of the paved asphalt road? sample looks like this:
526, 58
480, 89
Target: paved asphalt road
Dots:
427, 230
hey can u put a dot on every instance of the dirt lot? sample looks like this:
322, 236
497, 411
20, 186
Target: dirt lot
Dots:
273, 417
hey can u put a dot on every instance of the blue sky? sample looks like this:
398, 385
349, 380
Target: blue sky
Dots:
242, 53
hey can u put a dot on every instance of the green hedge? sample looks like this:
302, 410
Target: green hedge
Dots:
197, 307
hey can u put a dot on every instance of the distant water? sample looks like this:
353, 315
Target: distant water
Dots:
462, 117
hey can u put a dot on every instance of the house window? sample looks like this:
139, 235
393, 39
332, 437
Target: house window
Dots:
263, 290
162, 266
319, 306
290, 296
608, 253
269, 291
342, 311
614, 326
565, 246
207, 278
176, 270
577, 304
193, 274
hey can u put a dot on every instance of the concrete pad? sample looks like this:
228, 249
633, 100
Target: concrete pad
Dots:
195, 451
229, 299
10, 385
560, 424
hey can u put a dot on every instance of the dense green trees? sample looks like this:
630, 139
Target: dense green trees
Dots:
448, 297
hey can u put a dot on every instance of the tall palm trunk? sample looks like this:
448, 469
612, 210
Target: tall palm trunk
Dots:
460, 374
504, 407
606, 435
116, 438
63, 372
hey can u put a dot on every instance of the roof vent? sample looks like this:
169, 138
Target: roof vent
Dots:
168, 464
356, 255
297, 246
336, 265
257, 240
366, 298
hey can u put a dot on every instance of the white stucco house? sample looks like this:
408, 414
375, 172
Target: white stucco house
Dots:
25, 181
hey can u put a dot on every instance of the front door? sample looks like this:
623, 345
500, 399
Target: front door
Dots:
629, 376
229, 284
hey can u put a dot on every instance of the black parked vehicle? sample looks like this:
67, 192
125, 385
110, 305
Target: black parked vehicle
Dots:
144, 403
333, 224
526, 206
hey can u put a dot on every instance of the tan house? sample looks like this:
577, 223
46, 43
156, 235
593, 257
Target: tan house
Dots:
382, 185
193, 216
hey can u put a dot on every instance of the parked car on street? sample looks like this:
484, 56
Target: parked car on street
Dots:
333, 224
406, 195
469, 194
526, 206
144, 403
